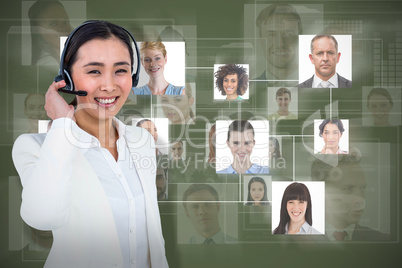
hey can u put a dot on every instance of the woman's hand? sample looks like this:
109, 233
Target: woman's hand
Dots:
55, 106
326, 150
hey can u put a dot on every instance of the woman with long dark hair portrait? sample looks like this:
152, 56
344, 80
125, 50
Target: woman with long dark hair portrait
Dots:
296, 211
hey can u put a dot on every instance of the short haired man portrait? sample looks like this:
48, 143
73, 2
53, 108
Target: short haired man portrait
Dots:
325, 56
283, 98
279, 26
202, 208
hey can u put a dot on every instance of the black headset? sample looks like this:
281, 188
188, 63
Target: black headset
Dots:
64, 75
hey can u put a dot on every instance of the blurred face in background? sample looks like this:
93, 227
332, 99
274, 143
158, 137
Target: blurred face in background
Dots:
204, 213
345, 195
177, 150
54, 22
177, 108
283, 102
379, 107
257, 191
35, 109
279, 40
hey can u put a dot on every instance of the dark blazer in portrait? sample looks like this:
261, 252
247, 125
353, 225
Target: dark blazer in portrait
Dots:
342, 83
362, 233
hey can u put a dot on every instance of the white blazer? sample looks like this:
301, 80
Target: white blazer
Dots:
62, 193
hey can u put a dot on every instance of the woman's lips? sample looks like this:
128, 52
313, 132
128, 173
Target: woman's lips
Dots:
153, 70
106, 102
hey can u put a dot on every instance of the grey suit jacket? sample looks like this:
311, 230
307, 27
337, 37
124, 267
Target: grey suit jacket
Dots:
342, 83
362, 233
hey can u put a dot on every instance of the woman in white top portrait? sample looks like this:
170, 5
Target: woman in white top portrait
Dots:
86, 180
331, 131
296, 211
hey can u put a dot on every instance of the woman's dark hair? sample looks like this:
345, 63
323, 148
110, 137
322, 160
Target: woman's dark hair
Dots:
240, 126
250, 201
277, 153
139, 123
379, 91
229, 69
95, 30
336, 122
295, 191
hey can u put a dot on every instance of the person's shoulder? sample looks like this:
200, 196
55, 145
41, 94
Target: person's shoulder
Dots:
25, 139
307, 84
363, 233
229, 239
138, 132
174, 90
144, 90
27, 144
223, 171
272, 116
139, 138
255, 168
343, 82
314, 231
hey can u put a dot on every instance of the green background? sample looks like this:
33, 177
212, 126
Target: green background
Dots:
218, 23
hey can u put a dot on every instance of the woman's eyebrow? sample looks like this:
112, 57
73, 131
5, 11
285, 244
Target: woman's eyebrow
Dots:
121, 63
94, 63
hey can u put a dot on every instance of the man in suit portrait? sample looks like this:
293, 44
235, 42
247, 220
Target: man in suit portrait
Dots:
345, 200
202, 208
324, 56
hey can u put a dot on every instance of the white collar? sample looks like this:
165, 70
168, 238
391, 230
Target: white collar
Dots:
88, 141
333, 80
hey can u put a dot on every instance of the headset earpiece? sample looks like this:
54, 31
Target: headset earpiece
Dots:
67, 78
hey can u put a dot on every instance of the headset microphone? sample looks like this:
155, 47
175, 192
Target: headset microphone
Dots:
79, 92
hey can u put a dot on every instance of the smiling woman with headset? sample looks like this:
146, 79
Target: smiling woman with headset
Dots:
91, 179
